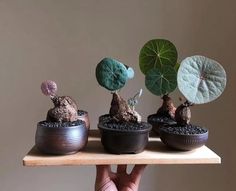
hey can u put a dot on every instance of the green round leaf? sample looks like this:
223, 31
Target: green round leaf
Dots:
111, 74
157, 53
161, 81
176, 67
201, 79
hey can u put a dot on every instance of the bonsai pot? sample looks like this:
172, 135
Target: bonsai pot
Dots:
159, 121
83, 115
123, 137
183, 138
61, 138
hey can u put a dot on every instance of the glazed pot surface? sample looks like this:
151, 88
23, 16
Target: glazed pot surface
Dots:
118, 141
61, 140
183, 142
83, 115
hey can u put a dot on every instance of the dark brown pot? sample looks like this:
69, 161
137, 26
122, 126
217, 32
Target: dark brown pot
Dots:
120, 141
157, 122
61, 139
183, 142
83, 115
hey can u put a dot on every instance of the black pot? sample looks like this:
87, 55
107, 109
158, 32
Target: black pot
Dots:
61, 138
159, 121
184, 142
118, 140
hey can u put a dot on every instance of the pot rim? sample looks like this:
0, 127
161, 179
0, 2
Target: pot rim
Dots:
101, 127
82, 123
184, 135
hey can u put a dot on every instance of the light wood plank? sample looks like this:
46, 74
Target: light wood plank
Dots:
155, 153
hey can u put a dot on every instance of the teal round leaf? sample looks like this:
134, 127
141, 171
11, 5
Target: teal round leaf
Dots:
157, 53
201, 79
130, 72
111, 74
161, 81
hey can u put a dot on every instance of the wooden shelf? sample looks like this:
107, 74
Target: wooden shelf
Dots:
155, 153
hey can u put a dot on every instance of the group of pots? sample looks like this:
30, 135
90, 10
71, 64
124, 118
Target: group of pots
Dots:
71, 137
199, 79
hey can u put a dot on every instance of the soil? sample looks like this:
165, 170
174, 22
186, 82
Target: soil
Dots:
60, 124
81, 112
184, 130
124, 125
160, 119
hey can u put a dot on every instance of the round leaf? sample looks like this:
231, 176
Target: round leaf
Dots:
49, 88
176, 67
201, 79
111, 74
161, 81
157, 53
130, 72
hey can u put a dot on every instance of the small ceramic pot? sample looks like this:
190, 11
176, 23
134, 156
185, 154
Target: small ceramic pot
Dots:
83, 115
184, 142
123, 141
157, 122
61, 138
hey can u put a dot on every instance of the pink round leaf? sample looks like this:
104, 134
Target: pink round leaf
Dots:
49, 87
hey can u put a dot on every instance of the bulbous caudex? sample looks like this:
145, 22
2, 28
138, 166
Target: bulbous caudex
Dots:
113, 75
183, 113
65, 108
121, 111
167, 109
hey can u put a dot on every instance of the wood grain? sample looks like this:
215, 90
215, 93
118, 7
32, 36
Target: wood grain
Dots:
155, 153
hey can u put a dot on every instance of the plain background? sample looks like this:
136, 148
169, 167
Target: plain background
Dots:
64, 40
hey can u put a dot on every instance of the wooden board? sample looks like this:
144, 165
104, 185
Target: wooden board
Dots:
155, 153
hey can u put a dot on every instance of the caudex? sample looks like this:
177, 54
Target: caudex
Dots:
65, 108
113, 75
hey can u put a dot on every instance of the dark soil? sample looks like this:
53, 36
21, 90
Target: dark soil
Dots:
125, 126
81, 112
105, 118
184, 130
160, 119
60, 124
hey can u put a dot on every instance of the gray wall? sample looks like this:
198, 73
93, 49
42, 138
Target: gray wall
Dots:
64, 40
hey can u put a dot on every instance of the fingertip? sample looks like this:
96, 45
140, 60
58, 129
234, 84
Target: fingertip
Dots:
137, 172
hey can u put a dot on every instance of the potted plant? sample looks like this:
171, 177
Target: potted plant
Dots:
122, 130
65, 130
158, 62
200, 80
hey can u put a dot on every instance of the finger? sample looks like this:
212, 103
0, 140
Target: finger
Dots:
103, 171
121, 169
102, 176
137, 173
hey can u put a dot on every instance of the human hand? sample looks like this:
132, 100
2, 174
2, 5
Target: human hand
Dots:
106, 180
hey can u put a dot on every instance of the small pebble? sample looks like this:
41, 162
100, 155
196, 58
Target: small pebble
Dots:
126, 126
60, 125
184, 130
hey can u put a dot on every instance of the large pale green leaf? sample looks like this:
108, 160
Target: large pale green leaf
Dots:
161, 81
201, 79
111, 74
157, 53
